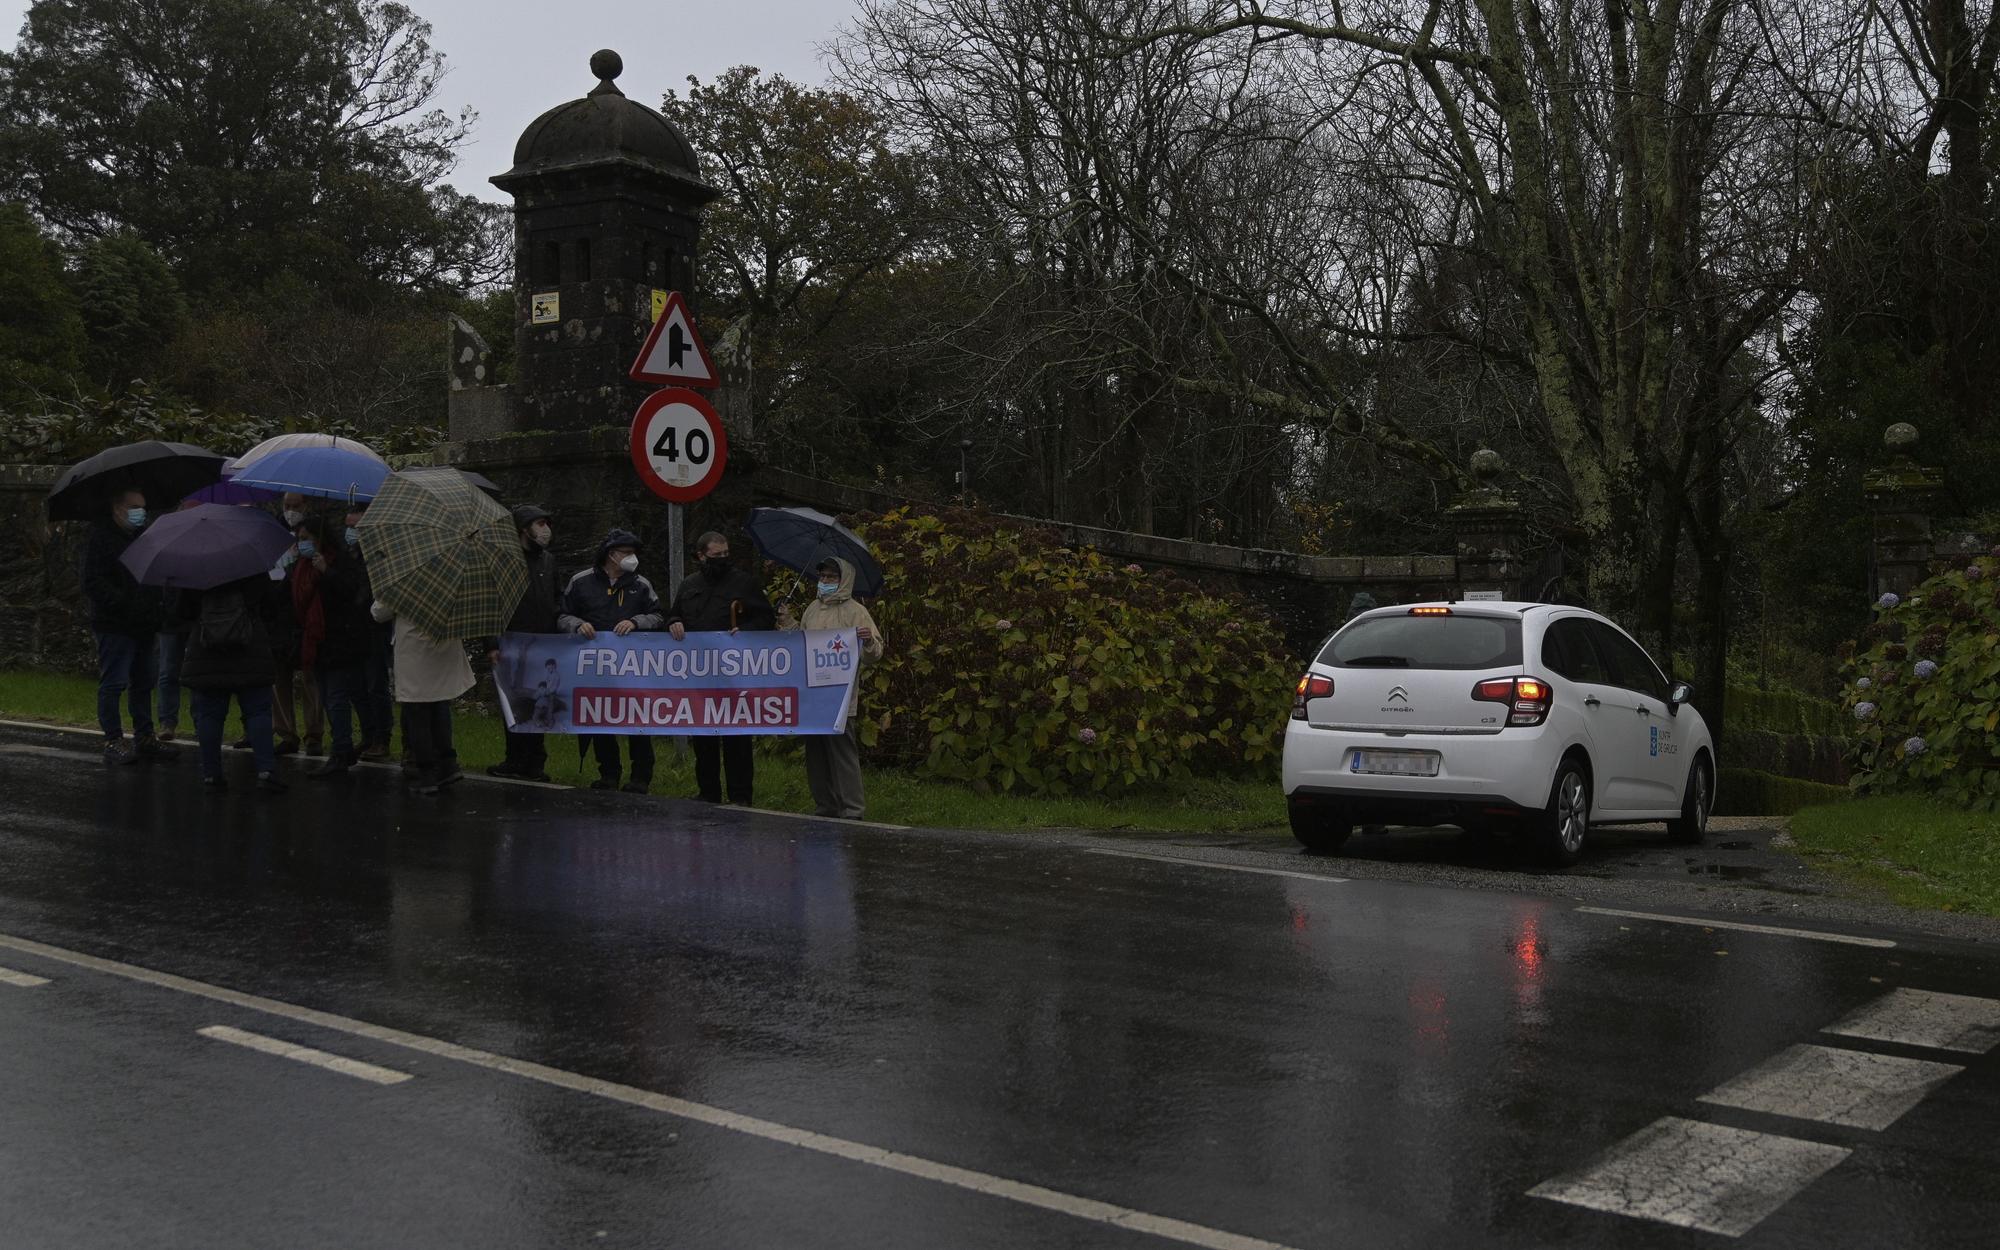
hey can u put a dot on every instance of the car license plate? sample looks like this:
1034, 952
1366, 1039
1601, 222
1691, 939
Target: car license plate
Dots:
1397, 763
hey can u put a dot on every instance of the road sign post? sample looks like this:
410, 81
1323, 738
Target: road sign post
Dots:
678, 444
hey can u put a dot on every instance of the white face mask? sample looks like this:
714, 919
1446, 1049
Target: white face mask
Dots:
541, 533
629, 564
292, 518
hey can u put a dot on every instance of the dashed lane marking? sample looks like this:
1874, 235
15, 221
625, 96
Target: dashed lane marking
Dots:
1038, 1196
1695, 1175
1926, 1018
20, 980
1701, 922
305, 1054
1850, 1087
1190, 862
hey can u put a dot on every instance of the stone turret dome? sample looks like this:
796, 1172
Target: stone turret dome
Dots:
604, 128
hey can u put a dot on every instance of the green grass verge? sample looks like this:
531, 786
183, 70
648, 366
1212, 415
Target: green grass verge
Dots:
1182, 806
1919, 852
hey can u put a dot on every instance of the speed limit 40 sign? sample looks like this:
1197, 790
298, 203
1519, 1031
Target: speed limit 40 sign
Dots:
678, 445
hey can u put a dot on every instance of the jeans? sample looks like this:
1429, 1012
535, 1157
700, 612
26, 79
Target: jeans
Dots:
427, 740
172, 647
211, 709
605, 747
342, 693
126, 663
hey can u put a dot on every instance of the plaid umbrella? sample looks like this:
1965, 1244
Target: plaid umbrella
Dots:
442, 554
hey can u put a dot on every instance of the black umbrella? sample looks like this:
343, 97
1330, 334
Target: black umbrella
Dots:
165, 473
799, 538
480, 483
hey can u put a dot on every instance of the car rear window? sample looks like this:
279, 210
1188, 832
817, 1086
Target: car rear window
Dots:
1448, 642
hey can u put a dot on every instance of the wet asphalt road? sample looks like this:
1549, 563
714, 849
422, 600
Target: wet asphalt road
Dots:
1064, 1047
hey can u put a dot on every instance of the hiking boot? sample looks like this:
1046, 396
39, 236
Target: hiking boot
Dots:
168, 733
151, 748
269, 783
119, 751
373, 752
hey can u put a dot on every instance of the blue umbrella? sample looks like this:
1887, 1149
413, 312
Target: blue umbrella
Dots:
206, 546
327, 472
227, 491
799, 538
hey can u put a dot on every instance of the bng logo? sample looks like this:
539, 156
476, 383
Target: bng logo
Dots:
830, 662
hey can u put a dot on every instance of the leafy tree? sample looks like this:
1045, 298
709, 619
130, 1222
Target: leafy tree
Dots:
132, 307
241, 138
42, 339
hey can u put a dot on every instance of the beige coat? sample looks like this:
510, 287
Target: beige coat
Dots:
840, 611
427, 671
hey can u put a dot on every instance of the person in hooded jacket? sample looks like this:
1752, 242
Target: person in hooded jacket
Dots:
720, 597
330, 600
833, 761
612, 596
125, 617
430, 673
527, 750
229, 655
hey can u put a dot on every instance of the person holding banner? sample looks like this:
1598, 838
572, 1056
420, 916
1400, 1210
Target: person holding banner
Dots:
720, 597
612, 596
833, 761
527, 753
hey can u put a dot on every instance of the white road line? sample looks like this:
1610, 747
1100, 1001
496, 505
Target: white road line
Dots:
1695, 1175
859, 1152
1774, 930
21, 980
305, 1054
1850, 1087
1209, 863
1926, 1018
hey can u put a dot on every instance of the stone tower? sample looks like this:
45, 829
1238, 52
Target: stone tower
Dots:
607, 210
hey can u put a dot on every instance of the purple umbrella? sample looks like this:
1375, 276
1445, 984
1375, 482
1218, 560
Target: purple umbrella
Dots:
227, 491
206, 546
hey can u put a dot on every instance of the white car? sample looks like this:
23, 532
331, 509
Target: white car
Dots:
1488, 714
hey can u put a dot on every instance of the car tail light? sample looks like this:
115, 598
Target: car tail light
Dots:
1527, 698
1311, 686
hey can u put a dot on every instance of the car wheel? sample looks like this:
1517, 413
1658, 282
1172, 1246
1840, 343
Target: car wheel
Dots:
1320, 832
1566, 820
1696, 802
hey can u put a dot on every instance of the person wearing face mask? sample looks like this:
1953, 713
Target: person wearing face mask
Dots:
330, 602
527, 753
373, 705
720, 597
286, 721
125, 617
612, 596
833, 761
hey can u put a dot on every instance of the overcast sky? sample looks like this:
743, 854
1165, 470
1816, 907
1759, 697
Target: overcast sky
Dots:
512, 59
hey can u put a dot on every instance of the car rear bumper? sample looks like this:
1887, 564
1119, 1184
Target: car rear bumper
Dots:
1372, 807
1503, 771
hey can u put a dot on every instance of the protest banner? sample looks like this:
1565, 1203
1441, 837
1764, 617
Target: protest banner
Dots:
780, 682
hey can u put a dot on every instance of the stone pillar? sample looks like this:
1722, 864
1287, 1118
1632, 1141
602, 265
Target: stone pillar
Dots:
1487, 526
1901, 496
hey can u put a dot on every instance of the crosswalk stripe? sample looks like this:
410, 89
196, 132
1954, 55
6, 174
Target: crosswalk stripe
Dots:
1832, 1086
1926, 1018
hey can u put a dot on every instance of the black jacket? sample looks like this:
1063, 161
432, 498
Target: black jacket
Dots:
204, 668
118, 603
543, 603
702, 605
344, 597
592, 598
